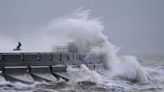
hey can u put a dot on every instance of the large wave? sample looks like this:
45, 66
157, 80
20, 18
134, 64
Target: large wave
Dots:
86, 34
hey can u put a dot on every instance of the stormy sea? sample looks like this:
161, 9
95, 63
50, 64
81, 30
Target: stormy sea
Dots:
122, 73
153, 65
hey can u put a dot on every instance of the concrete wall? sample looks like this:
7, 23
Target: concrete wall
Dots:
42, 59
20, 59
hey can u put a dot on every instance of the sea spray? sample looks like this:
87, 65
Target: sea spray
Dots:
87, 35
84, 74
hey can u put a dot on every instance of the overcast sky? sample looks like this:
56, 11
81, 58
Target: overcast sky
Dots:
135, 25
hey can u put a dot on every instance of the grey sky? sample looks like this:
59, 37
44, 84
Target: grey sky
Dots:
135, 25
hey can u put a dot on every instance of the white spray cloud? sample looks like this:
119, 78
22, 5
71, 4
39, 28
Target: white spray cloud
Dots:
86, 33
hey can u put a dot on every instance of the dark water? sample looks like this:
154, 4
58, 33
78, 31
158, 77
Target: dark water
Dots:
59, 87
153, 65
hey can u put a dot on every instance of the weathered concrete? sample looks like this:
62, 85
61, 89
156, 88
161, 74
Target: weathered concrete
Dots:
24, 77
45, 76
40, 69
15, 69
59, 68
30, 57
28, 67
64, 57
56, 58
45, 57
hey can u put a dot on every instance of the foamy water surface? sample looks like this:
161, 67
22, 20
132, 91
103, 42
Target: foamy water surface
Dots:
121, 74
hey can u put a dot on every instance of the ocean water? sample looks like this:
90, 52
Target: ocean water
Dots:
125, 73
153, 65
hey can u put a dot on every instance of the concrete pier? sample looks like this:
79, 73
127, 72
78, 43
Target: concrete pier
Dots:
30, 67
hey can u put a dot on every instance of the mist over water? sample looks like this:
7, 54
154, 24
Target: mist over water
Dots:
86, 34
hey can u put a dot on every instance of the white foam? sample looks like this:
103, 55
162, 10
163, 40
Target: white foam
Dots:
87, 35
84, 74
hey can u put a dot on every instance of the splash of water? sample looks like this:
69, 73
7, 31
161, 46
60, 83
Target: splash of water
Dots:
87, 35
